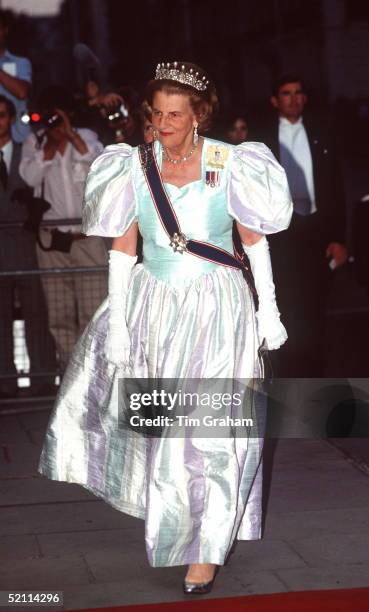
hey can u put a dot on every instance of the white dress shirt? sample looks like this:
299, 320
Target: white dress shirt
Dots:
64, 176
7, 150
295, 157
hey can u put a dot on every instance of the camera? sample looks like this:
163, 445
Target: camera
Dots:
118, 114
47, 120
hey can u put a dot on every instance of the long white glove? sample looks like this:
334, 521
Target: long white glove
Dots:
118, 342
269, 325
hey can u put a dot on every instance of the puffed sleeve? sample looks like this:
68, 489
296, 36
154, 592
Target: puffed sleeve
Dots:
258, 193
109, 205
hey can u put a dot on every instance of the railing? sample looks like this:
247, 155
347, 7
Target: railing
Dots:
43, 310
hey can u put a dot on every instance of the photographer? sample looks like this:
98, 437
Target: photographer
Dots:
55, 161
18, 252
112, 115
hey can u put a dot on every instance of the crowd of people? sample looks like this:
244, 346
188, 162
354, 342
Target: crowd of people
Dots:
45, 157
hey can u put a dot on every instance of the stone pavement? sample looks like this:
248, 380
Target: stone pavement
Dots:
58, 536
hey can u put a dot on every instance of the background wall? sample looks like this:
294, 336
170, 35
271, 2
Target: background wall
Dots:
242, 43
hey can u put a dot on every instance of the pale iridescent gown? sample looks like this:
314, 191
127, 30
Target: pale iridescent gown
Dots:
188, 318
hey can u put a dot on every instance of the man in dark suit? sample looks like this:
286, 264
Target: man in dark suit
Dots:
304, 255
17, 252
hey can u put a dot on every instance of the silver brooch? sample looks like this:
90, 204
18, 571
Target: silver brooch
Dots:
178, 243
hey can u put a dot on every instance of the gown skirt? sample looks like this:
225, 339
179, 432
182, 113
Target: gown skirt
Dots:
196, 494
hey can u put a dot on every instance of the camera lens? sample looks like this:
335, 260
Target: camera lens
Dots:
52, 120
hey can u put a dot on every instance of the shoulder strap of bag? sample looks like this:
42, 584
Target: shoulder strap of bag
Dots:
170, 223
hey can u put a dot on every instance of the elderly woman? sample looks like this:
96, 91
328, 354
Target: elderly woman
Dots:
185, 313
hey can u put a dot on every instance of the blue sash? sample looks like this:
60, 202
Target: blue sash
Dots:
170, 223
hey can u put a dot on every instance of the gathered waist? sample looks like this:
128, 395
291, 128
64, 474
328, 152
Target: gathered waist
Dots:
166, 264
178, 267
180, 283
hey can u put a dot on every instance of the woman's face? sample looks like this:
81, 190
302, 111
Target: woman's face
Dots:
238, 132
172, 118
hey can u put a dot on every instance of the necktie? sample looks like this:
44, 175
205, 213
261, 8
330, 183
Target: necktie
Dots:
3, 170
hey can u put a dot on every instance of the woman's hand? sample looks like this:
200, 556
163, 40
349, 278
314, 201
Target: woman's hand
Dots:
270, 329
111, 100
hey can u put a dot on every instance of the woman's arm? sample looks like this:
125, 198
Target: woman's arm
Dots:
128, 242
270, 327
247, 236
17, 86
34, 164
122, 258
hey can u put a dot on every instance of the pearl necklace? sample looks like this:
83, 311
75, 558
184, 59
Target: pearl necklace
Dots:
181, 159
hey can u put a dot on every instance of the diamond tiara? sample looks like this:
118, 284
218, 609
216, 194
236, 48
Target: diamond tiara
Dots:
177, 72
